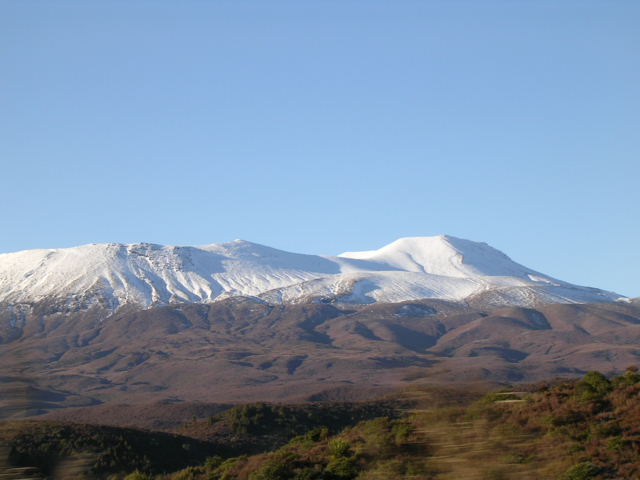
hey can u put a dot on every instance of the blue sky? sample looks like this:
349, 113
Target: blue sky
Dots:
324, 126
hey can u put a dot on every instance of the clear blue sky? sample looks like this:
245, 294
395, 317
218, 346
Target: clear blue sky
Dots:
323, 126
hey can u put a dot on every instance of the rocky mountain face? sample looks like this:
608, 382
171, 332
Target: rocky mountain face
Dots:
239, 321
242, 349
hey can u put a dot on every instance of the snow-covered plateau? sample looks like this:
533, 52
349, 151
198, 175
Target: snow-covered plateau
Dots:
440, 267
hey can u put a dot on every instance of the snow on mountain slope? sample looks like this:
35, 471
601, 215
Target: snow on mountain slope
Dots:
444, 255
146, 274
149, 274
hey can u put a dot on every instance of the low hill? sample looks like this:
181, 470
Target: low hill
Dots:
572, 430
583, 429
62, 450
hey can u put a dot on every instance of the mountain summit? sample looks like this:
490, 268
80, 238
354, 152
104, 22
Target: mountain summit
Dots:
144, 275
443, 255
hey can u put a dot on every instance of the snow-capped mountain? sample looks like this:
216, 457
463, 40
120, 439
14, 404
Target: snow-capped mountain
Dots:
441, 267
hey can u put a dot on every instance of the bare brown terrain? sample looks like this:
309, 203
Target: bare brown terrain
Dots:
241, 350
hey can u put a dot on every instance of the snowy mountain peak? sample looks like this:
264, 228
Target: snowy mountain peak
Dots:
148, 274
443, 255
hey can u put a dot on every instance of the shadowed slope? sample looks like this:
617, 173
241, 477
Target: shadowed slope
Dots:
244, 349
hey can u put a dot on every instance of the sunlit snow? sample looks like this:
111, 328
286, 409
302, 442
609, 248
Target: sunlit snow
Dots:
146, 274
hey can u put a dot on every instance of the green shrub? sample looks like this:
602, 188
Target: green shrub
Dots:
280, 466
339, 447
310, 473
317, 434
617, 443
581, 471
594, 386
630, 376
401, 432
342, 468
223, 470
211, 463
189, 473
138, 475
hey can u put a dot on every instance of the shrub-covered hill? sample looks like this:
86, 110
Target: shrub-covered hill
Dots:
259, 427
595, 420
562, 430
574, 430
93, 451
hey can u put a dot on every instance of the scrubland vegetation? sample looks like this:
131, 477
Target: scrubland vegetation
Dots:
564, 430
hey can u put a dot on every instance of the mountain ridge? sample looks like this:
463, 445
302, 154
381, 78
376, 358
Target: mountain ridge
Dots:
147, 274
